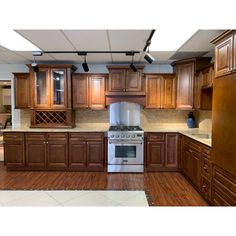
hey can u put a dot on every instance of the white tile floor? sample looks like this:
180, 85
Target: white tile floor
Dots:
72, 198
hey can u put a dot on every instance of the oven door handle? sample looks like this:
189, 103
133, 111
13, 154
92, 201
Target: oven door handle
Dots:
125, 142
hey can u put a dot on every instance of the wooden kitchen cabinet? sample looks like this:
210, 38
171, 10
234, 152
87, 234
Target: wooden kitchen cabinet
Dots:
86, 151
160, 91
153, 91
97, 92
89, 91
22, 90
185, 79
14, 152
57, 150
123, 81
197, 90
185, 72
162, 152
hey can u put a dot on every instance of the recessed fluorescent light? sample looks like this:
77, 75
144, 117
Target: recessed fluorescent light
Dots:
170, 40
15, 42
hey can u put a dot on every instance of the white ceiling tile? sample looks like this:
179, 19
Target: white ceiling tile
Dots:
160, 56
200, 41
67, 57
12, 58
88, 40
47, 40
3, 49
128, 39
28, 55
97, 57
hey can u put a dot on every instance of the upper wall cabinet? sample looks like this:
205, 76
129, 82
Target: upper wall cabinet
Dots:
51, 87
124, 81
185, 73
160, 91
225, 53
89, 91
22, 90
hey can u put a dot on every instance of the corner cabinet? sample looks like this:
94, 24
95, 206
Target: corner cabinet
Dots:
185, 74
22, 90
51, 96
89, 91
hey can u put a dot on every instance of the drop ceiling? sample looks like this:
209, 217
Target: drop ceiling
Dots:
108, 40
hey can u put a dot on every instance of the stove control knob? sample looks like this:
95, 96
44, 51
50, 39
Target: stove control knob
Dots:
133, 136
122, 136
117, 136
127, 136
112, 136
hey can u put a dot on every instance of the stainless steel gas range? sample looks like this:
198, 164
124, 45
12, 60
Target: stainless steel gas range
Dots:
125, 149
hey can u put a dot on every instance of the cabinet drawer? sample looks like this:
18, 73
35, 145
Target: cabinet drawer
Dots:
206, 188
224, 180
56, 136
87, 136
13, 136
206, 151
220, 198
192, 145
206, 167
35, 136
156, 137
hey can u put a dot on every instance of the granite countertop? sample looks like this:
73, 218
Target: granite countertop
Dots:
199, 135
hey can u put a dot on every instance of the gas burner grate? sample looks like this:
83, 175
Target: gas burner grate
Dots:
124, 128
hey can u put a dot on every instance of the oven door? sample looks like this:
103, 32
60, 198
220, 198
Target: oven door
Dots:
123, 153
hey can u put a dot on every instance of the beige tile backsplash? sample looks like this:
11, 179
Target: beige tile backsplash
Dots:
149, 117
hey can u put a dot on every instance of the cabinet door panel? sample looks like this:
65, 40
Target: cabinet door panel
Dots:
168, 92
42, 89
77, 154
80, 91
153, 91
197, 90
133, 81
223, 54
171, 150
14, 154
97, 92
117, 80
95, 155
185, 76
155, 155
22, 90
57, 154
36, 153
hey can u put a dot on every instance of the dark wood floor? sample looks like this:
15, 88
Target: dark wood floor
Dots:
165, 189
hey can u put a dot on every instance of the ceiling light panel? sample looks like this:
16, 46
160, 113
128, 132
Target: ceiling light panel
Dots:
15, 42
169, 39
88, 40
48, 40
128, 39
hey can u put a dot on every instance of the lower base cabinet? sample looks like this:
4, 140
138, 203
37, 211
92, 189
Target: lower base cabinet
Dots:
86, 152
54, 151
162, 152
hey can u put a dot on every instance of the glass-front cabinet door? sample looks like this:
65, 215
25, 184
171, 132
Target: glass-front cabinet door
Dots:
58, 84
42, 93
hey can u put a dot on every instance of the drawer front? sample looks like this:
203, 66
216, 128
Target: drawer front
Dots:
156, 137
206, 168
206, 188
35, 136
87, 136
192, 145
206, 151
225, 180
57, 136
220, 198
13, 136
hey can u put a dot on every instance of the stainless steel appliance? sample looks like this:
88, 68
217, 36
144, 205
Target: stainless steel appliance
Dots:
125, 149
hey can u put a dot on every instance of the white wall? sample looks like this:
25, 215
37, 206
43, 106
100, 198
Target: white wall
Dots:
6, 70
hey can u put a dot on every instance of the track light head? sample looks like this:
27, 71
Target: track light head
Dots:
149, 58
35, 67
85, 66
133, 67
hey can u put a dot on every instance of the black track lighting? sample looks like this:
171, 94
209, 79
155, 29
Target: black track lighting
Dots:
35, 67
149, 58
85, 65
132, 66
